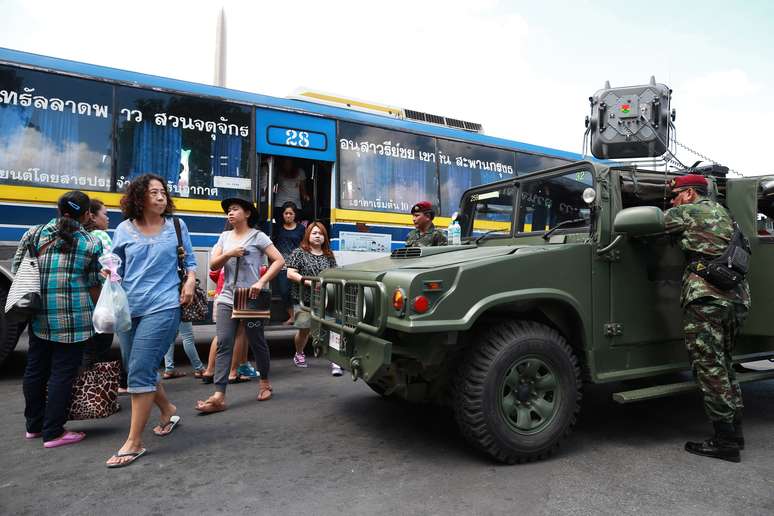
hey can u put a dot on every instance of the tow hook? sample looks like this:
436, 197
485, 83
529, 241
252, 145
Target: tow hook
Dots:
356, 368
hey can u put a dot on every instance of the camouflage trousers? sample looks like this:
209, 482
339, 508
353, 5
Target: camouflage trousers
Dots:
710, 327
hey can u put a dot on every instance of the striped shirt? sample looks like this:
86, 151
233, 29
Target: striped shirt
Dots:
65, 279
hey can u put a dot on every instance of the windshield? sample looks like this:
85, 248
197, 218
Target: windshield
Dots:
546, 202
489, 211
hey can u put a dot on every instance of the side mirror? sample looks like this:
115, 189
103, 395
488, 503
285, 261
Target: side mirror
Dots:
767, 187
639, 221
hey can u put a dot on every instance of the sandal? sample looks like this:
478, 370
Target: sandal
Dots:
264, 390
167, 428
208, 378
210, 406
171, 375
198, 373
133, 456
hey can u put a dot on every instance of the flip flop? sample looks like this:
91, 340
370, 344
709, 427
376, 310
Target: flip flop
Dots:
133, 457
32, 435
210, 407
171, 375
168, 427
66, 438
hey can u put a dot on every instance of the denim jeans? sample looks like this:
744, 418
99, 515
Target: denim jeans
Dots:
53, 366
144, 345
189, 345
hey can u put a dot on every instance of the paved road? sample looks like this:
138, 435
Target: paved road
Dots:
327, 445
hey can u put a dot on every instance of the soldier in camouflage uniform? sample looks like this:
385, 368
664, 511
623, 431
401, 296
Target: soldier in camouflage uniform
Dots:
711, 317
425, 234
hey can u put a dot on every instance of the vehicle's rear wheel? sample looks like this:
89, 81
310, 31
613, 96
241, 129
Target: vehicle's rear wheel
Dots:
9, 332
518, 392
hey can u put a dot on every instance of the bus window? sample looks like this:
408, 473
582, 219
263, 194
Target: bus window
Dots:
55, 131
526, 163
462, 166
384, 170
201, 147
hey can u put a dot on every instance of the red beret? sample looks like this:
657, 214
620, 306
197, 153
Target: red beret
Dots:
689, 181
422, 206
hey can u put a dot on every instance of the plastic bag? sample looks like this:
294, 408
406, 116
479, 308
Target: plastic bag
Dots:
112, 313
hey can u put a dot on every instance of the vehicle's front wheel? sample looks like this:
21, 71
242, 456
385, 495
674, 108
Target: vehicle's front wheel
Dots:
518, 392
9, 332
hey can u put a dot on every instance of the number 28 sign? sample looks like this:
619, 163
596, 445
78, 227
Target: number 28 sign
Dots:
294, 137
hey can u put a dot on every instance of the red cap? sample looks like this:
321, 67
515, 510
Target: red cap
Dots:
422, 206
689, 181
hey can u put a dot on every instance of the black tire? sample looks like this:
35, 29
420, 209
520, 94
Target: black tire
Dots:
513, 425
9, 333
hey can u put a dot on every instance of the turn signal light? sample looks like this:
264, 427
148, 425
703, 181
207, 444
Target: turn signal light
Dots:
398, 300
421, 304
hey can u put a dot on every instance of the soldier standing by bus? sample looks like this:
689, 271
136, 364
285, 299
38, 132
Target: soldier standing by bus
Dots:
424, 233
711, 316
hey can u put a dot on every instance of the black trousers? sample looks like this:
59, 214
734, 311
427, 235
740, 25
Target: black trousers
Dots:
52, 367
96, 349
226, 329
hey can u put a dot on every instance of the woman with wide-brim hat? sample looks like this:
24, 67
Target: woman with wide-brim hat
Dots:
248, 245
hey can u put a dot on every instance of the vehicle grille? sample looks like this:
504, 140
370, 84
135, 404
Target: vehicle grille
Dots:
350, 305
407, 252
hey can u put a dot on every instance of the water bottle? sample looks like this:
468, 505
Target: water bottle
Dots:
455, 231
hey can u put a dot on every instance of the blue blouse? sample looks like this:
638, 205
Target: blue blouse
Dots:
149, 266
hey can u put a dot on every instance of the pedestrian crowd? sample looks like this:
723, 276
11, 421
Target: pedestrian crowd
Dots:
157, 274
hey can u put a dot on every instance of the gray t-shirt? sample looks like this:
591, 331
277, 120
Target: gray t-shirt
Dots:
255, 244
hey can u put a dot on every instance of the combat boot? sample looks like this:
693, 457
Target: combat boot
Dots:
738, 435
721, 446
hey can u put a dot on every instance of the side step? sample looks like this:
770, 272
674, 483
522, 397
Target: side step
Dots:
659, 391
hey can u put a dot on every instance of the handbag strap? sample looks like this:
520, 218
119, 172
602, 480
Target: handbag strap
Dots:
236, 271
180, 250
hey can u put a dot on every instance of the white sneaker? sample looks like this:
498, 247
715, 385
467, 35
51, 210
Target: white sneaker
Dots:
336, 370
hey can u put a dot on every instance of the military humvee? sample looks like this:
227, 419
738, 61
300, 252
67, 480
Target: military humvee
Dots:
556, 284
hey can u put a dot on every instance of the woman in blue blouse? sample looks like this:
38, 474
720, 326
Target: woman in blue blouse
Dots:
147, 244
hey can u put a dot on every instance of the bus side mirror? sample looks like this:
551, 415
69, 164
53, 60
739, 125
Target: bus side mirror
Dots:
639, 221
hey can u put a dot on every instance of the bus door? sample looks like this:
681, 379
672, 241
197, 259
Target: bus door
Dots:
296, 155
295, 160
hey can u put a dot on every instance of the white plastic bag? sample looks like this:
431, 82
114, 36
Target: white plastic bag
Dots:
112, 311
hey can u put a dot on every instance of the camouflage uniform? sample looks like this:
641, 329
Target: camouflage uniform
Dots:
433, 237
711, 317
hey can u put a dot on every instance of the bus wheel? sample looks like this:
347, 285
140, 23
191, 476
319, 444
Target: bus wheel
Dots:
9, 332
518, 392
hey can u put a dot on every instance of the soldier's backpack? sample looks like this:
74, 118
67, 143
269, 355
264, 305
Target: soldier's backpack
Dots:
730, 268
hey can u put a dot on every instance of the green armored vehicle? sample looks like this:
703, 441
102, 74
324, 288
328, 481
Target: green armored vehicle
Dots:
559, 282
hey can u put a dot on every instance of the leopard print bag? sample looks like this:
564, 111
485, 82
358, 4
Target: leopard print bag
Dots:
95, 392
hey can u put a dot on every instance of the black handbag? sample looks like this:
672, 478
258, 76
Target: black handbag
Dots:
196, 310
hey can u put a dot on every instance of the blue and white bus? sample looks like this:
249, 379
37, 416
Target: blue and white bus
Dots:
68, 125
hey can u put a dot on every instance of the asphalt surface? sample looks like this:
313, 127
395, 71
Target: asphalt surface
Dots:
326, 445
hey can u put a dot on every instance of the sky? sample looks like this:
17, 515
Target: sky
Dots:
523, 69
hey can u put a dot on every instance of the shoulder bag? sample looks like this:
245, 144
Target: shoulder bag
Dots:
246, 307
95, 392
24, 299
196, 310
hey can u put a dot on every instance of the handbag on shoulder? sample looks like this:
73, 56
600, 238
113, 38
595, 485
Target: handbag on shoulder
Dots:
95, 392
24, 299
246, 307
196, 310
